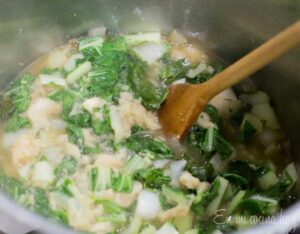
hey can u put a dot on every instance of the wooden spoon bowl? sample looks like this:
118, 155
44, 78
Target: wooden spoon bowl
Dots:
185, 101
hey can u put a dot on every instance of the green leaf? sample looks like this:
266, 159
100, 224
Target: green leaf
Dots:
75, 135
204, 198
20, 93
213, 113
122, 183
113, 212
16, 122
11, 186
205, 76
67, 166
102, 126
152, 96
174, 70
148, 146
100, 178
152, 178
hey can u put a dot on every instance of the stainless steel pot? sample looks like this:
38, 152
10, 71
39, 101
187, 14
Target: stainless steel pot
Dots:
228, 28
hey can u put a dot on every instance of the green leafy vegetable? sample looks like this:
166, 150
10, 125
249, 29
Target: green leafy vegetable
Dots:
152, 96
152, 178
20, 93
174, 70
14, 188
67, 166
16, 122
102, 126
203, 199
209, 141
75, 134
148, 146
134, 163
91, 47
206, 75
122, 183
113, 213
100, 178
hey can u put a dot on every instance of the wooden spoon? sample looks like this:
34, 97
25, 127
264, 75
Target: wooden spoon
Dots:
185, 101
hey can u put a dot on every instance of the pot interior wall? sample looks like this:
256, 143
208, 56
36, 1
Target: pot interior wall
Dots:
228, 28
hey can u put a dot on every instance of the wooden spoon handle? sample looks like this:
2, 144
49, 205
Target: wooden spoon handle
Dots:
255, 60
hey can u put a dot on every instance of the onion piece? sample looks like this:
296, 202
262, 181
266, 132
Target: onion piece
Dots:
176, 168
150, 52
148, 204
56, 79
42, 173
227, 103
202, 67
70, 65
81, 70
255, 98
160, 163
167, 228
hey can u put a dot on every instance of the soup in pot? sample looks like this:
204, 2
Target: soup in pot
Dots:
81, 143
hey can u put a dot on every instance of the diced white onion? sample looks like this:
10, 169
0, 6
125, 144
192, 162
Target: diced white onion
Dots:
176, 168
81, 70
58, 124
70, 65
53, 78
227, 103
93, 103
42, 173
150, 52
24, 171
10, 137
181, 81
266, 113
116, 123
160, 163
167, 228
148, 204
202, 67
53, 154
255, 98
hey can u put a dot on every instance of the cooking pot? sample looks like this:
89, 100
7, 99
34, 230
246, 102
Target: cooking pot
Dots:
229, 29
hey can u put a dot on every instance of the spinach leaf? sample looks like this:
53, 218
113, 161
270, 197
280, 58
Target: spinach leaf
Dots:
204, 198
152, 178
152, 96
174, 70
148, 146
75, 134
20, 92
206, 75
66, 167
209, 141
107, 69
16, 122
203, 172
122, 183
213, 113
102, 126
11, 186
